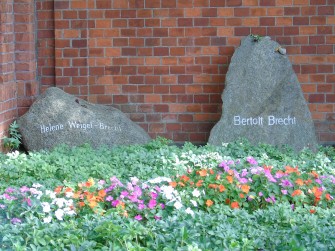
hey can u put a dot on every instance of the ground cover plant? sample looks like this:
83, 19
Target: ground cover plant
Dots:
163, 197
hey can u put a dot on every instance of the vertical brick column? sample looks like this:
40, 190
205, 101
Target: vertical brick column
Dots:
71, 46
8, 88
45, 33
25, 53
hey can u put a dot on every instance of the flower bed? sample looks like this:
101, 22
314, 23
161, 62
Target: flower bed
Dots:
194, 199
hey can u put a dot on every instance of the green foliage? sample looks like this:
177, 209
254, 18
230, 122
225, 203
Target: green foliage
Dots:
275, 227
14, 141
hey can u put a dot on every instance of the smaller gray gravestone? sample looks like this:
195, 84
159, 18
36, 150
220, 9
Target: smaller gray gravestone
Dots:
60, 118
262, 99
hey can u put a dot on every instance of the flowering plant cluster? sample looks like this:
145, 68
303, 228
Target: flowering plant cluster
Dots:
238, 184
245, 184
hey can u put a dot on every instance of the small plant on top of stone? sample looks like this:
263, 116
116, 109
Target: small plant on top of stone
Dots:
13, 142
256, 38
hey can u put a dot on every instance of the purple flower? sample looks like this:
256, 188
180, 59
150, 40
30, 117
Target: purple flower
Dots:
271, 199
24, 189
138, 217
260, 194
243, 180
280, 175
154, 195
268, 175
2, 206
130, 186
115, 203
157, 217
141, 206
152, 204
162, 205
157, 188
292, 206
133, 198
124, 193
284, 192
224, 165
10, 190
15, 221
28, 200
116, 182
137, 191
252, 161
244, 173
109, 198
101, 182
109, 189
318, 181
286, 183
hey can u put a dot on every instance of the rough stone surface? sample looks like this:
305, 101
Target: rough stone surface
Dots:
57, 117
262, 100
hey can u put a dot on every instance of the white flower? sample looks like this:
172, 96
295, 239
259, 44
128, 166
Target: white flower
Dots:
34, 191
36, 185
69, 211
189, 211
194, 203
46, 207
178, 205
59, 202
13, 155
159, 180
196, 193
68, 194
47, 219
59, 214
51, 194
134, 180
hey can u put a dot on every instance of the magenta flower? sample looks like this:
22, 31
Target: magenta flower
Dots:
162, 205
154, 195
157, 217
141, 206
252, 161
124, 193
284, 192
286, 183
10, 190
115, 203
28, 200
152, 204
318, 181
138, 217
109, 198
15, 221
24, 189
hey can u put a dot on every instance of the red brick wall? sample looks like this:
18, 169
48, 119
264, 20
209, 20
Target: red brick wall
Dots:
164, 62
8, 103
18, 83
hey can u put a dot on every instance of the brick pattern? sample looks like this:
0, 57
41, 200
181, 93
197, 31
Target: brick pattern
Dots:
25, 54
164, 62
45, 43
8, 103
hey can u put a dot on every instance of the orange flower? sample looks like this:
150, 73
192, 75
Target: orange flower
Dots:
68, 190
268, 168
292, 170
81, 204
231, 172
184, 178
181, 184
230, 179
199, 183
102, 193
296, 192
245, 188
317, 192
92, 204
328, 197
173, 184
221, 188
234, 205
227, 201
211, 171
58, 189
315, 174
241, 195
217, 177
212, 186
76, 195
209, 203
307, 182
299, 182
202, 172
312, 211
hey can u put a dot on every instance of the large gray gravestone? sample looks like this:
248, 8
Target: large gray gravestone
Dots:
60, 118
262, 100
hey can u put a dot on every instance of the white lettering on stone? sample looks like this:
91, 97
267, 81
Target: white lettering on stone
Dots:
51, 128
272, 120
76, 125
238, 120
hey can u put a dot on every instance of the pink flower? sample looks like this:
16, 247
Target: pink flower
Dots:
138, 217
141, 206
154, 195
109, 198
115, 203
152, 204
284, 192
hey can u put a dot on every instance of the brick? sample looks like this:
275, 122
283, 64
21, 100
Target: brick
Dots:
300, 20
321, 88
316, 98
330, 98
267, 3
325, 69
185, 22
209, 12
161, 51
231, 3
242, 31
267, 21
317, 40
325, 30
326, 10
291, 11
